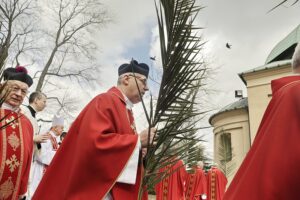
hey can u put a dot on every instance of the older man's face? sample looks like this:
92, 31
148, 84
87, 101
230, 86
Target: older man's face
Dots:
58, 130
17, 92
133, 82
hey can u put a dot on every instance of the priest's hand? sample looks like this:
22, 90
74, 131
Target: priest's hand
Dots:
41, 138
144, 136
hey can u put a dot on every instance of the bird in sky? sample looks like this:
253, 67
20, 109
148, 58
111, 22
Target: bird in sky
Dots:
152, 58
228, 45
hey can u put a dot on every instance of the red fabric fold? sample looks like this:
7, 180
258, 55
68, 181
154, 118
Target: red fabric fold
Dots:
270, 170
172, 187
216, 182
196, 184
93, 154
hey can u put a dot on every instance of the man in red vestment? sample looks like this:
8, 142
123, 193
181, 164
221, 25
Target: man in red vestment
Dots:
172, 186
100, 157
271, 168
216, 182
196, 184
16, 135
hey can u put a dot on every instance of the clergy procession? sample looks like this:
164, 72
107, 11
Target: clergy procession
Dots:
143, 136
101, 155
197, 184
103, 133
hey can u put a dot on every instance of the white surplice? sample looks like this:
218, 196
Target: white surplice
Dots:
41, 160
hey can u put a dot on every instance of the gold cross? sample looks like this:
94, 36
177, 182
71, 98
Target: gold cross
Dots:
12, 122
13, 163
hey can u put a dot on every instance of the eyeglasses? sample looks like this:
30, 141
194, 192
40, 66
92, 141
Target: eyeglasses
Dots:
143, 80
16, 89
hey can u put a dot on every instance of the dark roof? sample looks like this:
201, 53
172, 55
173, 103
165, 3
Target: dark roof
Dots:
240, 104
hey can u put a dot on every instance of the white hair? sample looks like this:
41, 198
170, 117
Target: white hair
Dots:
296, 58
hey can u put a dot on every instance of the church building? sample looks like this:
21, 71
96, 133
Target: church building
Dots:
235, 125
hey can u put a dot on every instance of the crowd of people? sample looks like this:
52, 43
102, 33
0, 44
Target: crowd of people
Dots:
32, 164
101, 157
198, 184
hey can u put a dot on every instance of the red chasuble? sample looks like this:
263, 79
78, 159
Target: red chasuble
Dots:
172, 187
93, 155
196, 184
216, 182
16, 146
271, 169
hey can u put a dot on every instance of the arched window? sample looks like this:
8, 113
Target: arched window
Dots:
225, 149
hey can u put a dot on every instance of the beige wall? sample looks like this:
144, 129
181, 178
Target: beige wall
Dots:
241, 123
259, 91
236, 123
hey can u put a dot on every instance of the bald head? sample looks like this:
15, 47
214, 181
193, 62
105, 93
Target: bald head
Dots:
296, 60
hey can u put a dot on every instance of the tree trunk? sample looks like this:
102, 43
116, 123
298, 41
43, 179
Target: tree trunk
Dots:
45, 70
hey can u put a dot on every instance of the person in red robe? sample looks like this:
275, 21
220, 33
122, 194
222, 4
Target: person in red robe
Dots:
173, 185
196, 184
270, 170
216, 182
16, 135
100, 157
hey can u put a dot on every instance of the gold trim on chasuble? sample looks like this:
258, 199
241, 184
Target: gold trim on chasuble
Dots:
165, 183
191, 185
213, 186
12, 149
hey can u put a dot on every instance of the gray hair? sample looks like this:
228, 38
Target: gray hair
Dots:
119, 82
296, 57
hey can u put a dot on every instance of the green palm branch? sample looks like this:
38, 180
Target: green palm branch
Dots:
176, 114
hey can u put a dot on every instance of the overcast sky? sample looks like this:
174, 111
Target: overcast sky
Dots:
245, 24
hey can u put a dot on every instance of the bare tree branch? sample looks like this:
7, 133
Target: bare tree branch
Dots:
14, 24
73, 18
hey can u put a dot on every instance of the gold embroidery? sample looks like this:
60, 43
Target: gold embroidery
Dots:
18, 181
6, 189
12, 122
213, 185
13, 163
14, 141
